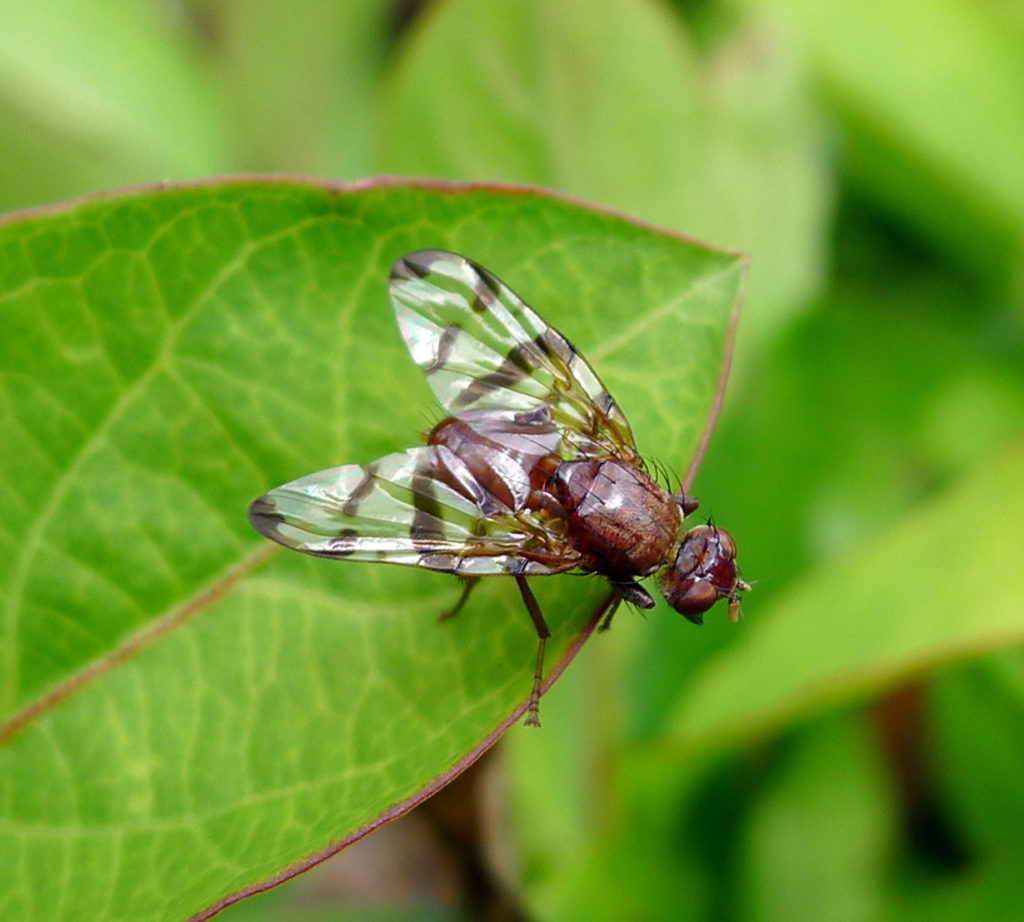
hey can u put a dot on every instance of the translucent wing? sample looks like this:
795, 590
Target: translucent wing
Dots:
486, 354
421, 508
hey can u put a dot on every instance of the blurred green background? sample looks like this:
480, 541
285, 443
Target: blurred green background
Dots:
855, 749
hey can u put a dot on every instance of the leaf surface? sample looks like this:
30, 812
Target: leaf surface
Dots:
186, 713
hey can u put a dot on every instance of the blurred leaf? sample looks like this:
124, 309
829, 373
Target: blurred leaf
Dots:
926, 591
177, 727
608, 100
869, 405
977, 713
323, 908
563, 798
989, 891
821, 834
305, 82
99, 93
930, 96
631, 877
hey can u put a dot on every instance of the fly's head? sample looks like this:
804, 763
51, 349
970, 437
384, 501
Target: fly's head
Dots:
703, 572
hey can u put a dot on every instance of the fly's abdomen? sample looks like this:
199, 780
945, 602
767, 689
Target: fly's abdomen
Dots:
512, 464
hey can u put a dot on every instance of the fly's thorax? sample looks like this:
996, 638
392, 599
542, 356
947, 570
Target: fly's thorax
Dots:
703, 572
618, 518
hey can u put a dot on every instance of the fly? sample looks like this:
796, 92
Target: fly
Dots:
535, 471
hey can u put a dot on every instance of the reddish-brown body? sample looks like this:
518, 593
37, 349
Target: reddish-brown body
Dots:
620, 520
616, 518
513, 464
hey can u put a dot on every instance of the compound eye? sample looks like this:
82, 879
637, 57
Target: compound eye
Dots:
689, 596
726, 544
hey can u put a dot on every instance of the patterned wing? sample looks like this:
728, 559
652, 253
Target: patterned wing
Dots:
486, 354
420, 508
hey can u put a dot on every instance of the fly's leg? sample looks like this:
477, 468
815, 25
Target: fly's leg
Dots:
626, 591
468, 584
533, 708
603, 614
612, 602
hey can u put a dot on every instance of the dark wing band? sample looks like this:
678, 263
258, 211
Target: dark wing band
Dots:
397, 510
485, 353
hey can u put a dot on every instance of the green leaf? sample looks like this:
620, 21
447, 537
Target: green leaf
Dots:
976, 714
939, 143
830, 813
134, 102
987, 890
925, 592
186, 713
553, 92
316, 118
